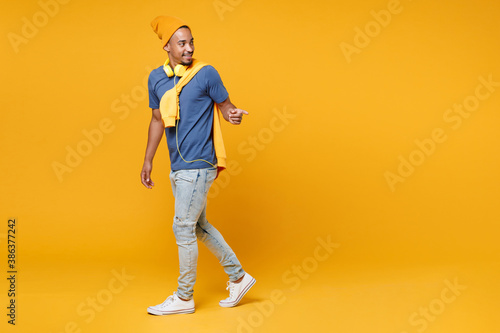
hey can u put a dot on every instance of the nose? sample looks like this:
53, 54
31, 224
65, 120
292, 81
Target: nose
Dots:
190, 48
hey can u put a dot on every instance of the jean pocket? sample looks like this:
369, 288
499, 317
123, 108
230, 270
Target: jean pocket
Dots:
184, 179
211, 175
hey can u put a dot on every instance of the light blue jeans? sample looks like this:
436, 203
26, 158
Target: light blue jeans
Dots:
190, 188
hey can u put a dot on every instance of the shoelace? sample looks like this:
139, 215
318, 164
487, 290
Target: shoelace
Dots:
169, 300
230, 287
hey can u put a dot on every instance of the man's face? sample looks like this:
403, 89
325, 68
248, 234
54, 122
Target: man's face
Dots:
180, 47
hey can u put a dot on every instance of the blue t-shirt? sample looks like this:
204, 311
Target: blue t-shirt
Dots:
194, 129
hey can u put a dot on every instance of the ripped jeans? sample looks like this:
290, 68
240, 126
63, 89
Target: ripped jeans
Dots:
190, 188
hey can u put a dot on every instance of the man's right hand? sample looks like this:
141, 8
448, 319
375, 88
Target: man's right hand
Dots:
155, 134
146, 175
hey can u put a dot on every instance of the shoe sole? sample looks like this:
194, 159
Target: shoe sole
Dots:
240, 296
162, 313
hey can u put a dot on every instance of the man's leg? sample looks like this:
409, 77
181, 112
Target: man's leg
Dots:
214, 241
190, 189
239, 281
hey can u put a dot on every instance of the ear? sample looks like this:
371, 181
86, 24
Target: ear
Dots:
167, 47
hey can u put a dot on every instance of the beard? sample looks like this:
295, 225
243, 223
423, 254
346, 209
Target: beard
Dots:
188, 63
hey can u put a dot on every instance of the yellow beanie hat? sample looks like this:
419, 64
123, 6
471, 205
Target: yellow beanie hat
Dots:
166, 26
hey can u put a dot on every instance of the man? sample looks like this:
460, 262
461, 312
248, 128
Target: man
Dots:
196, 152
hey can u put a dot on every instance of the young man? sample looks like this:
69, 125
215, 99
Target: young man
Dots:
182, 94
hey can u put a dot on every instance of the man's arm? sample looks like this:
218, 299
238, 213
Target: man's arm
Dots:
155, 134
230, 112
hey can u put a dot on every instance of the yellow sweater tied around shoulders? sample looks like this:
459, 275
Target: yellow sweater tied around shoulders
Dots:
169, 109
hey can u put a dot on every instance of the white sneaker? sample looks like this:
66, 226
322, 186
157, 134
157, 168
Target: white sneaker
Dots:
172, 305
237, 291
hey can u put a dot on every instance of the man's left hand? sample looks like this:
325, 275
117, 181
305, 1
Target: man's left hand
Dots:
236, 115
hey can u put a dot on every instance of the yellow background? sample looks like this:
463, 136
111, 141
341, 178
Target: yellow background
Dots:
318, 173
